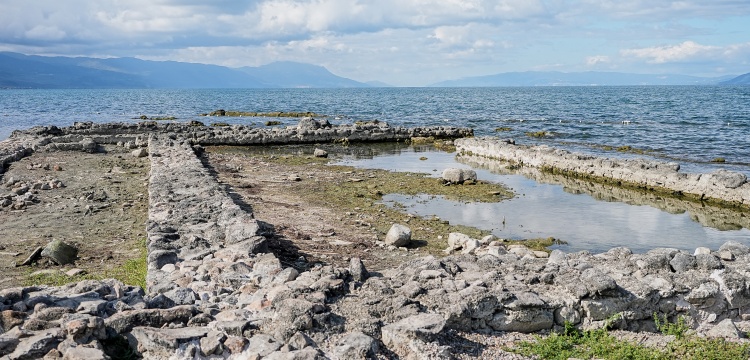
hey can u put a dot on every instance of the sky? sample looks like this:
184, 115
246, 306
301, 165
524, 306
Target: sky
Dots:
399, 42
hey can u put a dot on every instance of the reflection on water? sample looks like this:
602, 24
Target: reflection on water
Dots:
588, 216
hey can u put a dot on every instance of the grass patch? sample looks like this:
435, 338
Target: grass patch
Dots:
444, 145
132, 272
540, 244
600, 344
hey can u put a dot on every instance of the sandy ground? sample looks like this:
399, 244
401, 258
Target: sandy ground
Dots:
101, 209
305, 228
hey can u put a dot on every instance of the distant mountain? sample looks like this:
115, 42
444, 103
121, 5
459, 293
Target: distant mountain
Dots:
740, 80
590, 78
29, 71
290, 74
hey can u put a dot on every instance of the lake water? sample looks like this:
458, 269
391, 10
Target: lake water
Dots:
692, 125
588, 216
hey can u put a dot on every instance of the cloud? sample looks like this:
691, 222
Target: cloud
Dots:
686, 51
597, 59
401, 41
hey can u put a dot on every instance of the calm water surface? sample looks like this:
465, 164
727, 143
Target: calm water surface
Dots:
691, 124
587, 216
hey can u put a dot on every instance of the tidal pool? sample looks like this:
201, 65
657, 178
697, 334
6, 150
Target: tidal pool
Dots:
588, 216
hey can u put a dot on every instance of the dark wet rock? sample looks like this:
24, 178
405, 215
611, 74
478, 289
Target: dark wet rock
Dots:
60, 252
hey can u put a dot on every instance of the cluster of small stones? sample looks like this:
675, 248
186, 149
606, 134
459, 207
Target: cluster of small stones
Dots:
213, 290
726, 186
23, 193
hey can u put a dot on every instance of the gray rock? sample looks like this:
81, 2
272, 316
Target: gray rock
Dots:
735, 248
212, 343
181, 296
60, 252
261, 345
320, 153
139, 153
158, 258
88, 145
357, 269
682, 262
458, 176
597, 282
422, 326
456, 241
728, 179
707, 262
83, 329
123, 322
525, 320
308, 123
356, 345
725, 329
399, 235
84, 353
291, 315
36, 346
155, 343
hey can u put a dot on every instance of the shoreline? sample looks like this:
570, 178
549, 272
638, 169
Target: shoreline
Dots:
213, 289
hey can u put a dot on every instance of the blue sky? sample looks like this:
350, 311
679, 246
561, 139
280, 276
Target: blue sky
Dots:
401, 42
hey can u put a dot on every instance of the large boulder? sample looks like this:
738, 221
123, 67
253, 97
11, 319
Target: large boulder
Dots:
458, 176
60, 252
399, 235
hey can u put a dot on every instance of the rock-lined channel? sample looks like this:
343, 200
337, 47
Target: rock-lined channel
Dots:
214, 292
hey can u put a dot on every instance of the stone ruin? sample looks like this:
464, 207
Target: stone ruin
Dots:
215, 292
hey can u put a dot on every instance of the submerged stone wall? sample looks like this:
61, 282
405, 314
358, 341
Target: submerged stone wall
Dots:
722, 186
214, 292
308, 131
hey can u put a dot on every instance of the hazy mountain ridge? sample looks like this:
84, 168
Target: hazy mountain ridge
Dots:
589, 78
30, 71
743, 79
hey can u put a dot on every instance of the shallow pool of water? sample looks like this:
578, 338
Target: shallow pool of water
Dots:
587, 216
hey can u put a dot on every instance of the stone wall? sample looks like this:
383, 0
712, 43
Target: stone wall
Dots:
722, 186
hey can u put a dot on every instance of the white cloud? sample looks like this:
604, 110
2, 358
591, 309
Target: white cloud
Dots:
402, 41
42, 32
686, 51
597, 59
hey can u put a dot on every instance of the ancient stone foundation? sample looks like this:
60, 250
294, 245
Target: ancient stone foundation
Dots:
215, 292
725, 187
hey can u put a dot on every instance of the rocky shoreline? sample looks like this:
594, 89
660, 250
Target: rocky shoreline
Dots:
213, 290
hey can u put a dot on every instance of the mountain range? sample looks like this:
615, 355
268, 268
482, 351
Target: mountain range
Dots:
33, 71
30, 71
